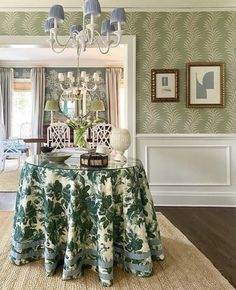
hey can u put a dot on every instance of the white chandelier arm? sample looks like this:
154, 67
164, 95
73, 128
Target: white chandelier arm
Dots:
107, 43
52, 42
65, 89
89, 30
86, 88
103, 51
118, 35
54, 36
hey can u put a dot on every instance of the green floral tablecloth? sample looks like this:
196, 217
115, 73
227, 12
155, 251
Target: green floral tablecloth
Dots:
85, 217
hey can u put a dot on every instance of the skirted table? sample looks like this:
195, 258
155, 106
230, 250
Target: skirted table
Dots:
85, 217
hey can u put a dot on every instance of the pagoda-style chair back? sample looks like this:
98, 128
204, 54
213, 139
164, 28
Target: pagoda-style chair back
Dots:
101, 135
10, 148
58, 135
25, 130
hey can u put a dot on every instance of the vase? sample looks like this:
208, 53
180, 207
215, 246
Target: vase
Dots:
79, 138
120, 141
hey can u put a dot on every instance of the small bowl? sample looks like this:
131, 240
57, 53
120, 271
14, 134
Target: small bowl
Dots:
57, 157
46, 149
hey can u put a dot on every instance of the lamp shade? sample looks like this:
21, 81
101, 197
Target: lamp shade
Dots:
118, 15
49, 23
75, 29
107, 27
51, 105
97, 105
92, 7
56, 11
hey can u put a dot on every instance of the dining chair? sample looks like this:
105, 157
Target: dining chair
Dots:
58, 135
25, 130
12, 149
101, 135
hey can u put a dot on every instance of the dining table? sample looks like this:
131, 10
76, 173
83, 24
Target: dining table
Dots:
85, 217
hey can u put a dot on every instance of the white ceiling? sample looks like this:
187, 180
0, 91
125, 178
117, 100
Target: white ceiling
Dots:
128, 4
19, 55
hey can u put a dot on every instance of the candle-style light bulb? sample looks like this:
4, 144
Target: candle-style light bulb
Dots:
61, 77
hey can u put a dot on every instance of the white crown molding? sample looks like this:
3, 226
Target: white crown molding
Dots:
129, 5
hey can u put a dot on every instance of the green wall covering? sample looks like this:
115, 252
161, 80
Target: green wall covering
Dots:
165, 40
22, 73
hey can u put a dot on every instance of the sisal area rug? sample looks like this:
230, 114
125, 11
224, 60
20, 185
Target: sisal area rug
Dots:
9, 177
184, 268
9, 180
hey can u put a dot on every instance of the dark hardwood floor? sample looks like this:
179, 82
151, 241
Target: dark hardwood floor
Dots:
212, 231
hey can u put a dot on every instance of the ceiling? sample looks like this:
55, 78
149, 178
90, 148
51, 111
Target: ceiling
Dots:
139, 5
28, 55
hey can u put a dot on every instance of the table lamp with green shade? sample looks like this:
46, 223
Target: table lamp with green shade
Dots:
51, 105
97, 106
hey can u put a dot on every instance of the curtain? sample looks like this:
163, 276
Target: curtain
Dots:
38, 99
6, 85
1, 107
113, 79
2, 128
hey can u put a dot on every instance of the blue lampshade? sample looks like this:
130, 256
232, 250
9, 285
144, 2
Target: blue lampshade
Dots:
92, 7
107, 27
75, 29
56, 11
118, 15
49, 23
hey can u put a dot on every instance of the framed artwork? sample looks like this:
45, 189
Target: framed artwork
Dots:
205, 84
164, 85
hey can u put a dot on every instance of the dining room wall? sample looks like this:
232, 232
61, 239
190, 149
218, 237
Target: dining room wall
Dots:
165, 40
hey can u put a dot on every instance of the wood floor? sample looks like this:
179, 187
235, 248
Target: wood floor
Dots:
212, 231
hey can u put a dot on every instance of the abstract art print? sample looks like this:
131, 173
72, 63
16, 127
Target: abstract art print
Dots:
205, 84
164, 85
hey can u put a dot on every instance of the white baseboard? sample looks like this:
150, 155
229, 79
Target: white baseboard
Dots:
203, 199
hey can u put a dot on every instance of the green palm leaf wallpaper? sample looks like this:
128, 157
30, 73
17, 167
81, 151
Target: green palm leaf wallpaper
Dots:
165, 40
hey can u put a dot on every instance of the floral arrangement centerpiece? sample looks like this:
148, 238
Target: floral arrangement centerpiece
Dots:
80, 126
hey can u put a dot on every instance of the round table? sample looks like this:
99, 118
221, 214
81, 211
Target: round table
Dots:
96, 217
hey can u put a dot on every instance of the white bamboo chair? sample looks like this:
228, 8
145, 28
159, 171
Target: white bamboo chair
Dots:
25, 130
58, 135
10, 148
101, 135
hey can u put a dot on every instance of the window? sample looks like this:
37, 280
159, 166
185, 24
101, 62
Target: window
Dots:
21, 105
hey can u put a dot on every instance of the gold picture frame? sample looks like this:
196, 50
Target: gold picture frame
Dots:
205, 84
164, 85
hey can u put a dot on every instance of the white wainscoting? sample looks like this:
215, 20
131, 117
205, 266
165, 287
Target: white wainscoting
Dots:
190, 169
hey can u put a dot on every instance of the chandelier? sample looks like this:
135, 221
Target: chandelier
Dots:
75, 89
86, 35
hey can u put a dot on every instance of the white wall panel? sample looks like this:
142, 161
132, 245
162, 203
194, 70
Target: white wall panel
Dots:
190, 169
188, 165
